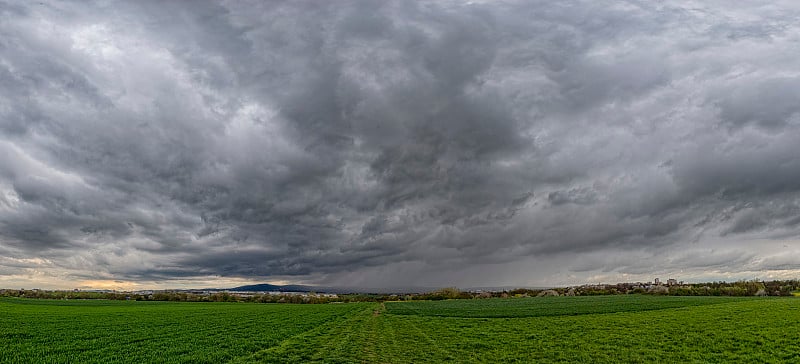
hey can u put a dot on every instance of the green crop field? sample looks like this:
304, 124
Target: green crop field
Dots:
75, 331
550, 306
600, 329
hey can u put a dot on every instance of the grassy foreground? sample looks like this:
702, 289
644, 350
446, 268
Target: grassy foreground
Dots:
627, 329
99, 331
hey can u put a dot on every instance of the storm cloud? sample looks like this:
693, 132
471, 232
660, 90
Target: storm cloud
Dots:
398, 143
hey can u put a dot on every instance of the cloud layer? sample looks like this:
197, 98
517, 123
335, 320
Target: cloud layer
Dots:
398, 143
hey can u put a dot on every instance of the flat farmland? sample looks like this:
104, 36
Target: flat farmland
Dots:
641, 329
551, 306
99, 331
601, 329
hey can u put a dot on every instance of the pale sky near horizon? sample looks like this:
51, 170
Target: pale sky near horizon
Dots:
149, 144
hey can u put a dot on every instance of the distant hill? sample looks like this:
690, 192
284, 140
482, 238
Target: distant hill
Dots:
265, 287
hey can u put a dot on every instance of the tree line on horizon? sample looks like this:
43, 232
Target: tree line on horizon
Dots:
738, 288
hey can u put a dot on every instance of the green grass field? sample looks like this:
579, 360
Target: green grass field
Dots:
550, 306
600, 329
51, 331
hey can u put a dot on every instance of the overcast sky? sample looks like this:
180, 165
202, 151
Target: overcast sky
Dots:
409, 143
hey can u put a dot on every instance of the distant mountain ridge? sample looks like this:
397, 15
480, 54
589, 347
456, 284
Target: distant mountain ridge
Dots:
266, 287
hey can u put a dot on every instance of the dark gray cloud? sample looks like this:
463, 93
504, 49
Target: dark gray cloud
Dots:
398, 143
